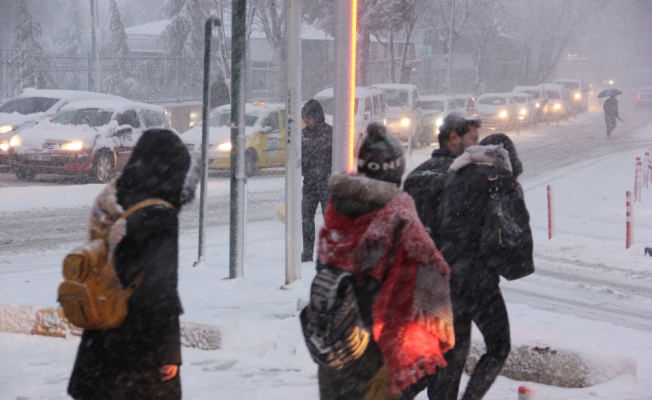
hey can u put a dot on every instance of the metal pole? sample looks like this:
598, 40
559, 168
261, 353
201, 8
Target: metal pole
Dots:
293, 141
450, 49
208, 30
238, 177
344, 97
95, 33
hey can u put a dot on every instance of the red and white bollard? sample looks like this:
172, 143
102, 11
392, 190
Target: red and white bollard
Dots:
646, 170
638, 178
527, 393
629, 230
551, 213
649, 167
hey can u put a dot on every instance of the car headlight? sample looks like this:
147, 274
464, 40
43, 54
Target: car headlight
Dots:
405, 121
15, 141
557, 106
226, 146
440, 121
503, 114
578, 96
523, 111
6, 128
385, 121
75, 145
4, 146
537, 105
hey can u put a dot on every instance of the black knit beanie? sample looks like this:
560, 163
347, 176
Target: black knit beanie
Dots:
381, 155
314, 110
501, 138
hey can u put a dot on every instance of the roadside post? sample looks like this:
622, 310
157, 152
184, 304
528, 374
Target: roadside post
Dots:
238, 176
527, 393
208, 32
292, 141
629, 224
638, 179
551, 213
646, 170
518, 125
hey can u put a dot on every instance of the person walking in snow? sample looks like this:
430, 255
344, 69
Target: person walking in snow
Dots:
484, 232
379, 316
316, 164
610, 108
141, 358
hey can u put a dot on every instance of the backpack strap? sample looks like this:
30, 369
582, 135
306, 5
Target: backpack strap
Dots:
143, 204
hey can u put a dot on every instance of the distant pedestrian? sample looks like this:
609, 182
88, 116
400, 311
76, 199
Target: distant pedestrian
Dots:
219, 93
140, 359
316, 164
379, 316
610, 108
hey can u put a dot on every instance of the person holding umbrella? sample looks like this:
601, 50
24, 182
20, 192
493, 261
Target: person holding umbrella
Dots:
610, 108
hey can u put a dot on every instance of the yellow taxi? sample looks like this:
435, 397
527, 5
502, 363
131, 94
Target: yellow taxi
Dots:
264, 137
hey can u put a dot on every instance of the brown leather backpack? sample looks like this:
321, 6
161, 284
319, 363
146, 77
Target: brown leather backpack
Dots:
91, 295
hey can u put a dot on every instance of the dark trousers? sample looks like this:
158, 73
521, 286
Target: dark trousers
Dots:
610, 121
313, 194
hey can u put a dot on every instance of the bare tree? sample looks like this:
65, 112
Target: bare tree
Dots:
485, 21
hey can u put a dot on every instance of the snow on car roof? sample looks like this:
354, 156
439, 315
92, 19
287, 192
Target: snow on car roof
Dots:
395, 86
553, 86
68, 95
250, 107
435, 97
112, 105
519, 88
360, 91
485, 95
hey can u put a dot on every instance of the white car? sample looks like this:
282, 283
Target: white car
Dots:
579, 92
525, 106
497, 110
369, 107
435, 108
404, 112
264, 137
92, 138
34, 105
538, 94
558, 100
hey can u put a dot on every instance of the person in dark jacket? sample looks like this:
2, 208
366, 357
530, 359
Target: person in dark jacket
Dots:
610, 108
470, 226
316, 164
141, 358
425, 182
379, 316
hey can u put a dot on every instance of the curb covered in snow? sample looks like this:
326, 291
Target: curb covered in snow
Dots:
51, 322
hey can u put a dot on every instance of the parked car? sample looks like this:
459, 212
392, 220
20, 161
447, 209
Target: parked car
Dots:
404, 112
558, 100
264, 137
434, 108
92, 138
644, 97
579, 93
34, 105
497, 110
369, 107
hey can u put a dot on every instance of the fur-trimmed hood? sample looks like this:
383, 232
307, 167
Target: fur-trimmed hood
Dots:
355, 194
489, 154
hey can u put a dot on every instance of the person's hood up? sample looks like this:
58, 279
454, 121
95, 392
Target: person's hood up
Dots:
314, 110
490, 155
355, 194
160, 167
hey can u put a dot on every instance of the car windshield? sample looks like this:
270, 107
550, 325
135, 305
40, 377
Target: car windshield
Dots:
493, 101
223, 118
459, 103
328, 104
28, 105
89, 116
519, 99
571, 85
432, 105
553, 95
396, 98
534, 93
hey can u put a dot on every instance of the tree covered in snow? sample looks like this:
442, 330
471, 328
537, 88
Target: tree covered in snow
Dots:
184, 35
33, 63
119, 46
486, 22
120, 80
72, 40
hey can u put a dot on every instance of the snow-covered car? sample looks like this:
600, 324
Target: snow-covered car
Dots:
538, 96
466, 102
369, 107
644, 97
404, 112
264, 137
558, 100
434, 108
34, 105
92, 138
497, 110
525, 106
579, 93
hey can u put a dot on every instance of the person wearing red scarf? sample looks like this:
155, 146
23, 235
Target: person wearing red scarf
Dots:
380, 316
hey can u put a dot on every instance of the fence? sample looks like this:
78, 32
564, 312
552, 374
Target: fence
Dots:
157, 80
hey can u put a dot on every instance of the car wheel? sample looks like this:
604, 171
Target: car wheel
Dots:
25, 175
251, 162
103, 168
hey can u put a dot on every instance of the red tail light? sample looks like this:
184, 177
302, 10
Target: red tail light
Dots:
638, 96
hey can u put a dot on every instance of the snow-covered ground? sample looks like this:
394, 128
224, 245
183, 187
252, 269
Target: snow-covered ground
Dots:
589, 294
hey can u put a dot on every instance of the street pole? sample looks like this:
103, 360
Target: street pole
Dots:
95, 33
238, 177
292, 124
344, 97
208, 31
450, 49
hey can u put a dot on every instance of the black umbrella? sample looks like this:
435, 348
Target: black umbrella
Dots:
610, 92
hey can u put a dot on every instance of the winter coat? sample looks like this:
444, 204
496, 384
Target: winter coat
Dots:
610, 107
372, 231
123, 363
466, 212
425, 185
316, 149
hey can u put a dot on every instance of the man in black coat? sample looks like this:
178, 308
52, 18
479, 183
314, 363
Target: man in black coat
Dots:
316, 164
140, 359
610, 108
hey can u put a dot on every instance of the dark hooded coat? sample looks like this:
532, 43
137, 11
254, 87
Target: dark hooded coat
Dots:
123, 363
316, 147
